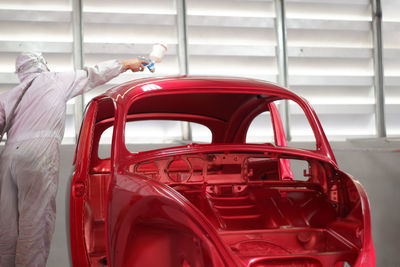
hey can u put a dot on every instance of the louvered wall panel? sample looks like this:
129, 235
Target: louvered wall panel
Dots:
330, 63
125, 29
234, 38
329, 48
43, 26
391, 44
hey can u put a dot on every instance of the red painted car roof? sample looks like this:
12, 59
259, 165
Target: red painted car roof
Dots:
129, 89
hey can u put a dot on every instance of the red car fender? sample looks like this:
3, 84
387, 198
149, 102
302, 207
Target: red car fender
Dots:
367, 255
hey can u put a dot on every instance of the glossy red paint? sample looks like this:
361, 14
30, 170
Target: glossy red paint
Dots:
228, 203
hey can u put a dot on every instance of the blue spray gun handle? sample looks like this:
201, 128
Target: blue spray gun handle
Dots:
149, 65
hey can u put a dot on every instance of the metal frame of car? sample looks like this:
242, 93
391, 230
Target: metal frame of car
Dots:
122, 188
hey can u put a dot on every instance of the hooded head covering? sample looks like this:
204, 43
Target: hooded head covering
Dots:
30, 63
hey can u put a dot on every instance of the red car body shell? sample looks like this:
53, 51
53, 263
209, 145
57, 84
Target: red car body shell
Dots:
146, 223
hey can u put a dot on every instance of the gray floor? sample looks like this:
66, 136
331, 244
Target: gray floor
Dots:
373, 162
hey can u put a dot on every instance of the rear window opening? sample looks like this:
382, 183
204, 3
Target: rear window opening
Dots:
164, 133
146, 135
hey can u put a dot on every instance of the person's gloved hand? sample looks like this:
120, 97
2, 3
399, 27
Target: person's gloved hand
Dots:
134, 64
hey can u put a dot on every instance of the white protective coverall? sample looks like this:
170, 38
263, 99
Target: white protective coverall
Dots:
29, 162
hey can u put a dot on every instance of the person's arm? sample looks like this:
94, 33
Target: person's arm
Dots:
133, 64
82, 81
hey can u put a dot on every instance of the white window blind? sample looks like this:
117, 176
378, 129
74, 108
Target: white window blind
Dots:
330, 63
234, 38
329, 48
125, 29
42, 26
391, 52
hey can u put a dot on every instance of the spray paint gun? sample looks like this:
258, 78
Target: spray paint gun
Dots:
156, 55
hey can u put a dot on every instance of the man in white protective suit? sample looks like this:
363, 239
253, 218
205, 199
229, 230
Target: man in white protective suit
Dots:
29, 162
